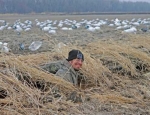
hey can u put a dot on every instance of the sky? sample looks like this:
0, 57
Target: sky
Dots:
137, 0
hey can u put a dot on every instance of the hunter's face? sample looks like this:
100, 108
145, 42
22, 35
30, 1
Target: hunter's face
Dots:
76, 63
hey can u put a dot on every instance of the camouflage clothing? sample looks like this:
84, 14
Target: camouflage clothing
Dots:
68, 73
64, 70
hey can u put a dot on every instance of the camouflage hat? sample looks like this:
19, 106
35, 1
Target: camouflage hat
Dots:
75, 54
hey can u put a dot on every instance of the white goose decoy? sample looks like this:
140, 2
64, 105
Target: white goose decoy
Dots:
92, 29
29, 26
78, 25
74, 27
145, 22
64, 28
131, 30
124, 22
117, 23
5, 48
135, 23
97, 24
123, 27
97, 28
70, 29
38, 23
119, 28
27, 29
18, 28
2, 28
52, 31
60, 25
111, 25
55, 22
9, 28
46, 29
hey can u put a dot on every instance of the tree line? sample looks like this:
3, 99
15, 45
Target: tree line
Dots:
71, 6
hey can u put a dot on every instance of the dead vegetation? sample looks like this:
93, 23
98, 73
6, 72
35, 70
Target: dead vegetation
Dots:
117, 78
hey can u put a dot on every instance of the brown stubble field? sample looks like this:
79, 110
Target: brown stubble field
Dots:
117, 68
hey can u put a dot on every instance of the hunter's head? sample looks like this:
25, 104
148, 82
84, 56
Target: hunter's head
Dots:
75, 58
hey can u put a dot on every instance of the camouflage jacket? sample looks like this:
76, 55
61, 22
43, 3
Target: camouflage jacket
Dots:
64, 70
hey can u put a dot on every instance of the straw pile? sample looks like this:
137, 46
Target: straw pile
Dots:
116, 72
123, 57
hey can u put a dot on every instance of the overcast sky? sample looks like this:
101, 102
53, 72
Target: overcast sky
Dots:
137, 0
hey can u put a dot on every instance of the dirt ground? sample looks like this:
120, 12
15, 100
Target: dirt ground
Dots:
81, 37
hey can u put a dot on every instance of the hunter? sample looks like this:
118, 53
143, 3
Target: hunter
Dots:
68, 69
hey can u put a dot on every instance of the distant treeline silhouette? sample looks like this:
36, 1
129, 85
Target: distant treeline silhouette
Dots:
71, 6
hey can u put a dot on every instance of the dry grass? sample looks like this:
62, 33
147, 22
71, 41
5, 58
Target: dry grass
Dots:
123, 53
100, 68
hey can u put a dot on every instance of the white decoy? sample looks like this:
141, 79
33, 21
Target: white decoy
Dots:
103, 22
29, 26
27, 29
46, 28
97, 28
2, 28
70, 29
117, 23
97, 24
131, 30
5, 48
145, 22
60, 25
127, 26
74, 27
124, 23
5, 44
78, 25
52, 31
119, 28
18, 28
111, 25
135, 23
38, 24
123, 27
55, 22
91, 29
117, 20
26, 21
64, 28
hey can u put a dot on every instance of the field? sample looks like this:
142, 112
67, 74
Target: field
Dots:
116, 66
